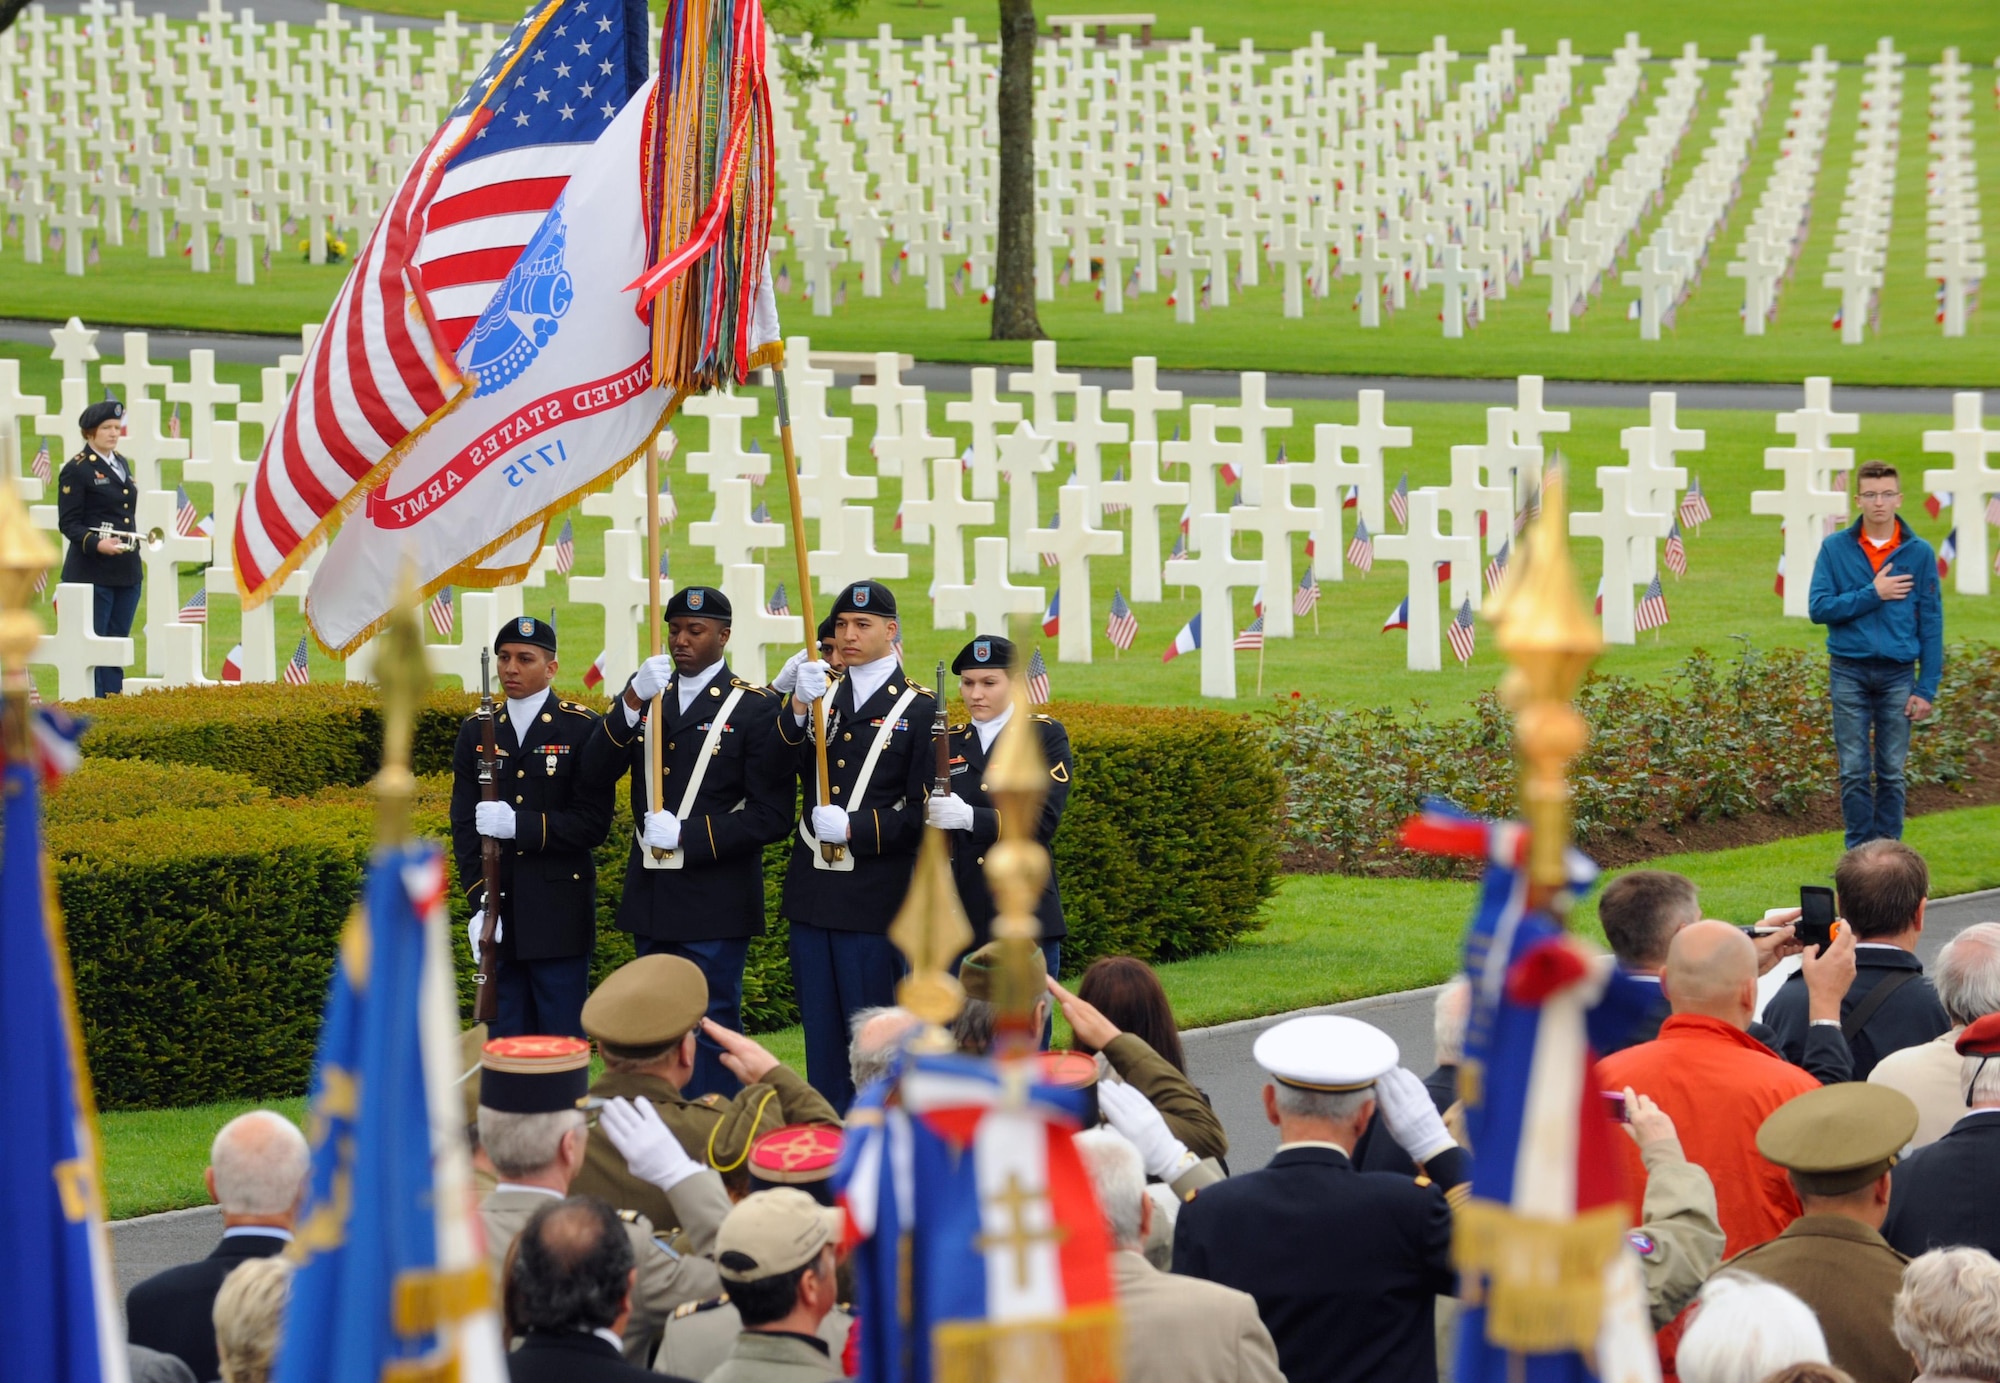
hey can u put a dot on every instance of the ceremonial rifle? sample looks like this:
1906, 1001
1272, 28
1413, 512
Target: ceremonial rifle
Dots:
941, 733
486, 1000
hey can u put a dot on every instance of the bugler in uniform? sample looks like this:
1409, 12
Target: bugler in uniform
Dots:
97, 493
878, 730
694, 878
641, 1017
549, 817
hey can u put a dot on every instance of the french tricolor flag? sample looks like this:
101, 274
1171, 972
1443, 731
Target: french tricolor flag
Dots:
1399, 618
1187, 641
232, 665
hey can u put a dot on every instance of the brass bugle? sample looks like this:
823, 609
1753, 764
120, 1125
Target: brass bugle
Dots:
151, 541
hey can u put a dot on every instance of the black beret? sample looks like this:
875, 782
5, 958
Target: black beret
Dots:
99, 413
526, 629
699, 602
865, 598
986, 651
825, 631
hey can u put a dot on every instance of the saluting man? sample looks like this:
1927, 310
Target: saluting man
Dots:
985, 669
549, 817
99, 497
878, 736
694, 881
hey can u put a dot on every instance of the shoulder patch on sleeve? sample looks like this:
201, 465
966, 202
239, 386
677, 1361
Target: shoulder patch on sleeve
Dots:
695, 1308
574, 709
710, 1101
1059, 772
630, 1217
1644, 1243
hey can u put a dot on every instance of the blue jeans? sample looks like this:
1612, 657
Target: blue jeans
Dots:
721, 963
542, 998
836, 974
111, 612
1871, 734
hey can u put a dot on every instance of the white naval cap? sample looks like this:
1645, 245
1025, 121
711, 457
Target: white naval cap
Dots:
1326, 1052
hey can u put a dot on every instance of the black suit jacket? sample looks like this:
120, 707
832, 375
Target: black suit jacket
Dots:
1947, 1194
1376, 1151
744, 804
173, 1311
575, 1358
89, 493
884, 826
1911, 1017
1346, 1266
548, 882
968, 857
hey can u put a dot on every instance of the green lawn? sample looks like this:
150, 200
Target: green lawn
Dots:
1325, 939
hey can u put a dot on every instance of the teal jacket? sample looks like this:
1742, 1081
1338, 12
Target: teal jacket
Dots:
1860, 624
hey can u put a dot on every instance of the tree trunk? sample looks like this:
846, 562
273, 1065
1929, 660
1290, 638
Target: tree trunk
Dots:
1014, 257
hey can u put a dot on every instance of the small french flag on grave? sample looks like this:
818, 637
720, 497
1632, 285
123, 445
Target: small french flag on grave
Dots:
1187, 641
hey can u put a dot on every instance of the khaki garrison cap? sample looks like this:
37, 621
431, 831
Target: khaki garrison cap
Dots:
774, 1232
647, 1003
1840, 1137
977, 970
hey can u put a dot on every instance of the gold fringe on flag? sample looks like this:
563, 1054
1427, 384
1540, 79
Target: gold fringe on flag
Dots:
1541, 1281
1083, 1347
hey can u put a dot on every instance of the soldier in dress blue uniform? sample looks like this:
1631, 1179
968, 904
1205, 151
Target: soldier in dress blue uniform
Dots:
549, 817
878, 739
986, 673
98, 494
694, 885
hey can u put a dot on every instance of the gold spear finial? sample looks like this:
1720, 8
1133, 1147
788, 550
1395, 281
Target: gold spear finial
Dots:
25, 553
1017, 869
1550, 641
931, 930
404, 676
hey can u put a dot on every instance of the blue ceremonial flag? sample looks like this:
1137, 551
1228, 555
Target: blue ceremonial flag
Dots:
390, 1265
58, 1311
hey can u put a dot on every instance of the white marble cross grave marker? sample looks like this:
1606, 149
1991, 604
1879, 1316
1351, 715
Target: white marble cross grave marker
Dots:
848, 553
1145, 494
1145, 400
908, 451
1073, 542
1024, 454
985, 411
991, 597
1474, 506
1216, 572
1422, 548
732, 532
1968, 442
753, 628
945, 516
1621, 525
1275, 519
76, 648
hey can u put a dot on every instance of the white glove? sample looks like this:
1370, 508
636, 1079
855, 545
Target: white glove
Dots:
494, 819
652, 677
1135, 1119
810, 680
477, 925
663, 830
788, 675
648, 1146
951, 813
830, 825
1411, 1116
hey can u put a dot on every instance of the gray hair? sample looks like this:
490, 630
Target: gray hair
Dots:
1967, 974
248, 1311
869, 1062
1119, 1178
1337, 1105
1948, 1313
261, 1161
1448, 1020
973, 1030
1746, 1329
1979, 1077
522, 1144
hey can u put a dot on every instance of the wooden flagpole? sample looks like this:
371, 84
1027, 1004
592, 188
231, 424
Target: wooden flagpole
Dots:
828, 850
655, 796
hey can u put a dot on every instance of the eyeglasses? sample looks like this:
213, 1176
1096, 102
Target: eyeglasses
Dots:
1879, 496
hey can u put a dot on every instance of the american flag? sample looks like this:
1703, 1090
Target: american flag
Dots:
469, 204
664, 573
1038, 680
593, 676
1399, 501
174, 421
1496, 566
1399, 618
1180, 546
41, 462
1361, 550
296, 673
1307, 594
1463, 635
1253, 636
566, 548
1117, 506
1993, 509
1652, 609
779, 603
1694, 506
186, 517
1052, 617
762, 514
196, 610
1947, 553
1049, 558
1123, 626
232, 665
1676, 554
442, 617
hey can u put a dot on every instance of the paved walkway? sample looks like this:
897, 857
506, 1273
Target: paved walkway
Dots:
1196, 384
1218, 1060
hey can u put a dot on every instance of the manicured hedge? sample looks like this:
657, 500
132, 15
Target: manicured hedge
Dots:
203, 909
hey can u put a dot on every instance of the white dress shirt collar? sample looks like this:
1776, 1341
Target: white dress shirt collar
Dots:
690, 684
989, 729
868, 678
521, 714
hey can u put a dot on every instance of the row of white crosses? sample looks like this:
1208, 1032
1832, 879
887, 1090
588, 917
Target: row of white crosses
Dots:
222, 126
1955, 245
1667, 270
1861, 237
1639, 500
1776, 233
1568, 173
